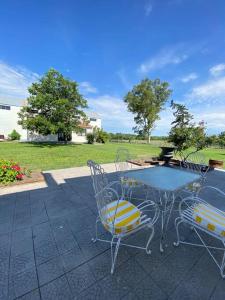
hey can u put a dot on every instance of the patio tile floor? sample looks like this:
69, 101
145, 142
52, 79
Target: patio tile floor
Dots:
46, 252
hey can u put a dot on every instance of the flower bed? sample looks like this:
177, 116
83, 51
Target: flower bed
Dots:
11, 172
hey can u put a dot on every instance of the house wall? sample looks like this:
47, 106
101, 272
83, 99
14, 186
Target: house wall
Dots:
77, 138
8, 122
32, 137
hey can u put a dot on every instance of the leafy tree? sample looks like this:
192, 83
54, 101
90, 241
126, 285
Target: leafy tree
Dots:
14, 135
221, 139
101, 135
54, 106
212, 140
145, 101
186, 134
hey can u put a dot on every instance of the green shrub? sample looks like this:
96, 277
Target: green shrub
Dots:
11, 171
14, 135
101, 136
90, 138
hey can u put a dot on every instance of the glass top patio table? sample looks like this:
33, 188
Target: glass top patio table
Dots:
163, 178
167, 180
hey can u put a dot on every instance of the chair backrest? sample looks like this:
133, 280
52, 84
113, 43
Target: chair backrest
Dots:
196, 162
99, 178
121, 161
104, 195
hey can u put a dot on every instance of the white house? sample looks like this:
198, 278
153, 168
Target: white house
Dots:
9, 121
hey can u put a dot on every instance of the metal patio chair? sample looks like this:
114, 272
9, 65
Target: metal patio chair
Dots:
195, 162
122, 165
118, 215
202, 217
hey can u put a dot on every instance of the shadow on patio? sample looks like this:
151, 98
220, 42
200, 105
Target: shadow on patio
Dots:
46, 249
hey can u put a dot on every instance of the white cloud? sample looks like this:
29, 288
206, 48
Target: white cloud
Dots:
217, 70
87, 88
113, 112
167, 56
148, 8
189, 77
14, 82
212, 91
213, 115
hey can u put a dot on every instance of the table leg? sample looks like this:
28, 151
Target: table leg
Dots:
165, 217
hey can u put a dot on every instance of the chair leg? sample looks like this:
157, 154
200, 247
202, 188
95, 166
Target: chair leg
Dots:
222, 268
96, 231
149, 240
178, 221
114, 255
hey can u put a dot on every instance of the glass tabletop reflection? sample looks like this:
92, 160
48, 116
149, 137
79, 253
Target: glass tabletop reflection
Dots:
163, 178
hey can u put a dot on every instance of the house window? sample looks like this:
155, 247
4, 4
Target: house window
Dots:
93, 119
6, 107
82, 132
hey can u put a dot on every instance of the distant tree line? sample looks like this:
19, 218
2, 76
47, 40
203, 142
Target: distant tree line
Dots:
132, 137
216, 140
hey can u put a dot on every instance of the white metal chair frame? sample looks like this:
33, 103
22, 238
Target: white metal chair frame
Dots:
195, 162
186, 209
122, 165
104, 195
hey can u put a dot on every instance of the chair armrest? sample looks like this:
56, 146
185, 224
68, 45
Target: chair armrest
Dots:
211, 188
189, 202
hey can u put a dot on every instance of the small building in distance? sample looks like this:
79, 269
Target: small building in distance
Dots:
9, 121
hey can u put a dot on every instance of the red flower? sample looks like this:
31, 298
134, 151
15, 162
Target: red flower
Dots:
16, 168
4, 167
19, 176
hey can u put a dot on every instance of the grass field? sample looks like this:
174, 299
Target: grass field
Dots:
50, 156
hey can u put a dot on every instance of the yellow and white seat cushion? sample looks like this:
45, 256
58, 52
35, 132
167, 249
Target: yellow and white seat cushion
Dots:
120, 216
129, 182
210, 218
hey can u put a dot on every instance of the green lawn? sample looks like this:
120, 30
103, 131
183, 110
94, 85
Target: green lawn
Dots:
50, 156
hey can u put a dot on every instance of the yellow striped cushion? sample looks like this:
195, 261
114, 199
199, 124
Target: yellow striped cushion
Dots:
213, 220
129, 182
127, 216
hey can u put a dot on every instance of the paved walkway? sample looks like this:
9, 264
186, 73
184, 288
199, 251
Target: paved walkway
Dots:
59, 176
46, 250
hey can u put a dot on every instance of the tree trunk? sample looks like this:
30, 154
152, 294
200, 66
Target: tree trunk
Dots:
149, 137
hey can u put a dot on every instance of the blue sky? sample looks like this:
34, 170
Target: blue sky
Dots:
109, 45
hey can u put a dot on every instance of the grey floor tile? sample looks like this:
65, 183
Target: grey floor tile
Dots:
46, 252
50, 270
199, 282
22, 234
65, 243
130, 272
101, 265
73, 258
56, 290
92, 293
34, 295
21, 246
4, 252
4, 290
219, 292
80, 279
113, 287
22, 262
130, 296
147, 289
23, 283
